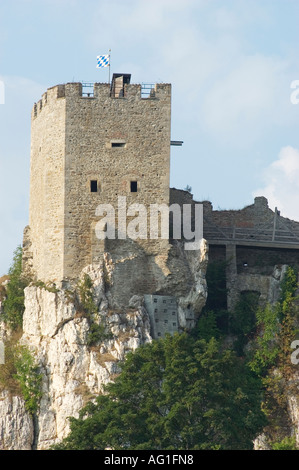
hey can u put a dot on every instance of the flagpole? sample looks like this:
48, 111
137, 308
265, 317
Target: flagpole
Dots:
109, 63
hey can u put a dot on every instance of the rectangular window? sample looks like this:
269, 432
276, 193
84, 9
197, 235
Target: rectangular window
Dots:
118, 144
133, 186
93, 186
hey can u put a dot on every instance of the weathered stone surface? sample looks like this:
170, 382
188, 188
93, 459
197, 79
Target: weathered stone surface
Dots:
57, 332
16, 426
73, 373
72, 139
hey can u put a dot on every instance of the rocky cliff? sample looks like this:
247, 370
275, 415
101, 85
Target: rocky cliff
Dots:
74, 369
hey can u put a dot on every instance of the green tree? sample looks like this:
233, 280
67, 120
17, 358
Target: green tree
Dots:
13, 304
243, 320
20, 374
175, 393
29, 378
288, 443
271, 358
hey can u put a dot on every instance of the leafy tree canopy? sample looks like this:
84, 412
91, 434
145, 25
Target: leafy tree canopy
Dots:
175, 393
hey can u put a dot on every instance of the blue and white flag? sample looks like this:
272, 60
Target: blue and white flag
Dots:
103, 60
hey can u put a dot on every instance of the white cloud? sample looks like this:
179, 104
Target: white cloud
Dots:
282, 183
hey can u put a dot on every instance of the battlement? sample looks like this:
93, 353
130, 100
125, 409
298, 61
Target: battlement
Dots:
102, 92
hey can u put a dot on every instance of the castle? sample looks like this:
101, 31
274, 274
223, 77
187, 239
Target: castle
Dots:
88, 149
93, 148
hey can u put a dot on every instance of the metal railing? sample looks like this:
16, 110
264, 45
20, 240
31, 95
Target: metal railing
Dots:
147, 89
87, 89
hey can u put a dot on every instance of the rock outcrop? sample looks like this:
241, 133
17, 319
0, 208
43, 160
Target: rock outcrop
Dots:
74, 369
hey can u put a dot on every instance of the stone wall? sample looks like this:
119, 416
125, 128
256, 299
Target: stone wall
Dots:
87, 151
47, 175
255, 242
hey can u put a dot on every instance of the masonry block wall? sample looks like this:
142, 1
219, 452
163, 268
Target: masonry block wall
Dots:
87, 151
254, 242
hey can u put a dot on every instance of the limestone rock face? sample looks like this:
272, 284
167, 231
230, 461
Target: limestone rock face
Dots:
293, 408
73, 373
75, 369
16, 426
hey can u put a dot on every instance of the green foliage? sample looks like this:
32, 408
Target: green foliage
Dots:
175, 393
207, 326
263, 337
20, 375
288, 288
85, 289
243, 319
271, 358
49, 286
29, 378
288, 443
97, 333
213, 320
8, 369
276, 330
97, 328
13, 305
266, 346
216, 281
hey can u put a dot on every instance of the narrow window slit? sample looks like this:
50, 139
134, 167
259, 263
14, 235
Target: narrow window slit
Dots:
93, 186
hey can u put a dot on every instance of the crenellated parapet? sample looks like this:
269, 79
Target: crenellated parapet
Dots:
102, 91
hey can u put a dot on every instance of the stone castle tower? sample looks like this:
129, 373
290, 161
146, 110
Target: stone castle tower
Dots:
86, 150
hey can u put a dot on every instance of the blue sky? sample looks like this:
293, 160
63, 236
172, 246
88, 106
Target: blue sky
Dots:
231, 64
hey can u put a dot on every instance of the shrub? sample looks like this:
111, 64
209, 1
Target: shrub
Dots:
13, 305
19, 375
29, 378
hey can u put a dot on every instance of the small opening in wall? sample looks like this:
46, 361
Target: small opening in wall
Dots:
118, 144
93, 186
133, 186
